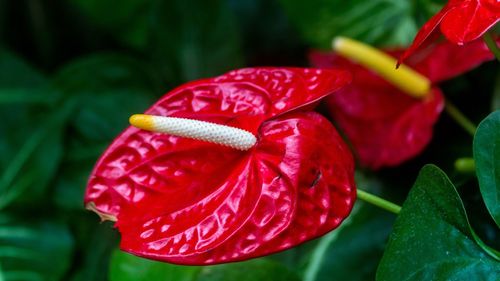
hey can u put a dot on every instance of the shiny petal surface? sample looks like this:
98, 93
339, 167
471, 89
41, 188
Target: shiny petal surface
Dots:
192, 202
445, 60
296, 184
384, 125
461, 21
426, 33
469, 20
243, 98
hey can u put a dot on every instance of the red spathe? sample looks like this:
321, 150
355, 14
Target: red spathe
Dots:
190, 202
461, 21
386, 126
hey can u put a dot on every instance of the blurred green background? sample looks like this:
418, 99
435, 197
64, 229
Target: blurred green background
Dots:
71, 72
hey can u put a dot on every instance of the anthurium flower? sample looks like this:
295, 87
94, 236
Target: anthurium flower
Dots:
461, 21
385, 125
281, 176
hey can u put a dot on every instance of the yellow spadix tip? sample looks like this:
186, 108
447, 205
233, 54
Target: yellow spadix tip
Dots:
406, 79
142, 121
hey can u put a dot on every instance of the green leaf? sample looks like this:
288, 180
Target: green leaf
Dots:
98, 242
187, 40
194, 39
109, 88
261, 269
425, 9
33, 250
263, 40
77, 163
31, 168
432, 238
378, 22
127, 21
352, 251
126, 267
31, 128
16, 73
487, 158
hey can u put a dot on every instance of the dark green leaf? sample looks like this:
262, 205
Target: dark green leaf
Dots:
97, 242
352, 251
257, 269
126, 267
109, 88
31, 132
127, 21
31, 167
379, 22
77, 164
487, 158
15, 73
432, 238
33, 250
263, 40
425, 9
194, 39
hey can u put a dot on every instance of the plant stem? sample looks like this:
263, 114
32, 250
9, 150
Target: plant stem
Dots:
379, 202
460, 118
492, 45
465, 165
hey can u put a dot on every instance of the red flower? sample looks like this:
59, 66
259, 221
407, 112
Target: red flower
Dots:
192, 202
461, 21
385, 125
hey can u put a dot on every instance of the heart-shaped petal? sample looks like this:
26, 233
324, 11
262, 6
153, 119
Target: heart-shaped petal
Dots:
386, 126
461, 21
187, 201
294, 185
242, 98
469, 20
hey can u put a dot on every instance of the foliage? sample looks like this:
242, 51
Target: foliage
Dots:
71, 72
127, 267
432, 238
487, 156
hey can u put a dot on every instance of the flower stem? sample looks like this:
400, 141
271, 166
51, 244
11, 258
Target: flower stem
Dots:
460, 118
465, 165
492, 45
379, 202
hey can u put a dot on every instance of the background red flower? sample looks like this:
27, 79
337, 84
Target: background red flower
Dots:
386, 126
461, 21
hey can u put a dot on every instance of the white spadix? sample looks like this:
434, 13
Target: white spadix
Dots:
195, 129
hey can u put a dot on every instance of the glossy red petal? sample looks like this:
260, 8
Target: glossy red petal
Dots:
461, 21
469, 20
393, 135
192, 202
426, 32
242, 98
445, 60
295, 185
288, 88
384, 125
